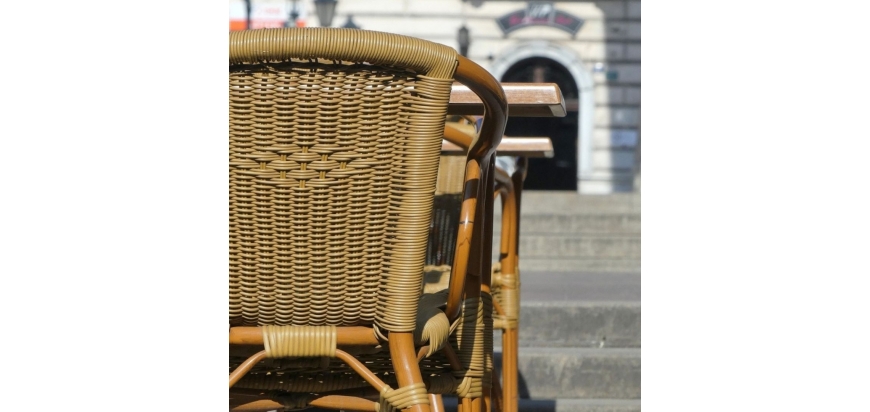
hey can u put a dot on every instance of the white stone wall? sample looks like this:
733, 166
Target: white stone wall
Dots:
609, 39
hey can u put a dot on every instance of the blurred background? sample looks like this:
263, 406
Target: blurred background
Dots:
581, 213
590, 48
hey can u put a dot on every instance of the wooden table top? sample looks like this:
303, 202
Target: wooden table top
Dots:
512, 146
524, 100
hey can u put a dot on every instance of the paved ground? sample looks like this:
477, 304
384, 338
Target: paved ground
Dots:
555, 286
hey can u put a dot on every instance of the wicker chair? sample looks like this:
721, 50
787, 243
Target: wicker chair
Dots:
530, 100
334, 147
504, 283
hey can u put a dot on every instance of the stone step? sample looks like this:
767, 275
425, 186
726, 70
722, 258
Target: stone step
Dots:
579, 324
560, 253
582, 242
580, 223
571, 264
566, 405
576, 286
542, 202
559, 245
579, 373
565, 231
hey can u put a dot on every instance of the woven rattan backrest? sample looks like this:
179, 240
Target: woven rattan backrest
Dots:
448, 199
334, 143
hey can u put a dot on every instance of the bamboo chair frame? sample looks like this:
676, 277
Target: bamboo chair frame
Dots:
525, 100
497, 400
278, 47
505, 280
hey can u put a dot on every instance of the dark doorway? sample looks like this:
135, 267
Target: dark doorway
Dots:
560, 172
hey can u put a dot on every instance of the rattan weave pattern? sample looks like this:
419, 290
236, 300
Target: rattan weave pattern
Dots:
505, 291
332, 173
299, 341
471, 349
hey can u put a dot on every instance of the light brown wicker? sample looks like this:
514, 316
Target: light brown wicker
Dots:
335, 137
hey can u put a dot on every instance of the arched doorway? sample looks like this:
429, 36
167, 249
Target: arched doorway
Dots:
561, 171
569, 59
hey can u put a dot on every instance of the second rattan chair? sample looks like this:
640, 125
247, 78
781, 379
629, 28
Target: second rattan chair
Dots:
335, 137
504, 282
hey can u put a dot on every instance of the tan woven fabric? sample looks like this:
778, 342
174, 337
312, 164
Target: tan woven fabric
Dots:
299, 341
451, 175
332, 173
334, 149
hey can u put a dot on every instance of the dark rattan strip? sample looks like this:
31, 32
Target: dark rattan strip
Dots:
443, 229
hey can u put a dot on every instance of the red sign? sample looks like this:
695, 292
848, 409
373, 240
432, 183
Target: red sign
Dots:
539, 14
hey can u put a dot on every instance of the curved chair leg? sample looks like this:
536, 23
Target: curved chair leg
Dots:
246, 366
511, 192
405, 360
497, 396
486, 283
436, 403
511, 336
335, 402
509, 370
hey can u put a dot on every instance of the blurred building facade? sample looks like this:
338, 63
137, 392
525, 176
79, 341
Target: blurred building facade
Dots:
590, 48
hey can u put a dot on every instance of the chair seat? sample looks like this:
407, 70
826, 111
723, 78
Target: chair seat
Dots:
317, 375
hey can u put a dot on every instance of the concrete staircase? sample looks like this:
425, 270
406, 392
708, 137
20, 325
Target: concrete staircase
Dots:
580, 316
580, 350
579, 356
566, 232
